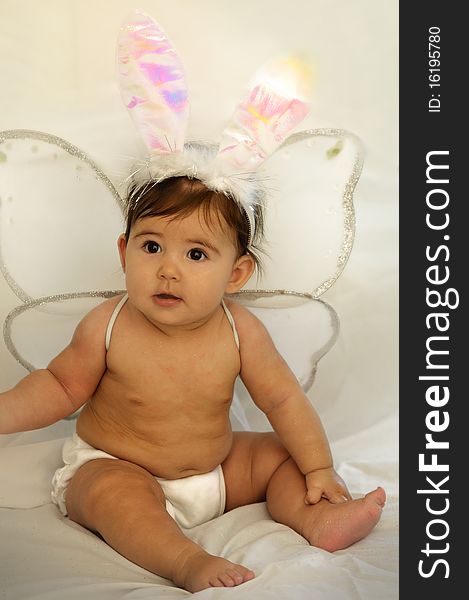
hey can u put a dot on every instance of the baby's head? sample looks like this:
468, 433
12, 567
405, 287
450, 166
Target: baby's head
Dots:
184, 247
178, 197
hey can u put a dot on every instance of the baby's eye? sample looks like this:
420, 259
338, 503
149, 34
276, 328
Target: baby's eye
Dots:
152, 247
196, 254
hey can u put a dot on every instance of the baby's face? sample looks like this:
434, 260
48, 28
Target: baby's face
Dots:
177, 270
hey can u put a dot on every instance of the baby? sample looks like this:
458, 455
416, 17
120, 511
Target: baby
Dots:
154, 371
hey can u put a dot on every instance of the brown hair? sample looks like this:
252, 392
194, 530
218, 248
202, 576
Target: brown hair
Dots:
181, 196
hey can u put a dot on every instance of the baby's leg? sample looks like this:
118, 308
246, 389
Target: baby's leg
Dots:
325, 525
259, 468
126, 506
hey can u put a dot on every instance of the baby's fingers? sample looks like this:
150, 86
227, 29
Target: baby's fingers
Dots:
337, 498
338, 494
313, 495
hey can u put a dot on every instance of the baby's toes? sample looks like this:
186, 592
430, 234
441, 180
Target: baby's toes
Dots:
237, 575
233, 575
230, 578
215, 582
245, 573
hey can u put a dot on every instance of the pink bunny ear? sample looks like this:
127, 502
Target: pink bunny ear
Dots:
152, 83
274, 105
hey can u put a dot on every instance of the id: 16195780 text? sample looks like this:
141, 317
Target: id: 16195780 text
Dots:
434, 54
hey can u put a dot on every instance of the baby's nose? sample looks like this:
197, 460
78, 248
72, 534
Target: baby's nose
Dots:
168, 270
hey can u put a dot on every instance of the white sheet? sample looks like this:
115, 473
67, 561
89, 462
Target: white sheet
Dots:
54, 79
46, 556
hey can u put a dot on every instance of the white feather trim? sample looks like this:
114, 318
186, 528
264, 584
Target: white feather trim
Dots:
198, 161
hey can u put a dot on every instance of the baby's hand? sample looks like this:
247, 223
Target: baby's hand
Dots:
325, 483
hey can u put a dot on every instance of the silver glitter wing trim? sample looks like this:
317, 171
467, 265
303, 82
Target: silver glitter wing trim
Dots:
347, 200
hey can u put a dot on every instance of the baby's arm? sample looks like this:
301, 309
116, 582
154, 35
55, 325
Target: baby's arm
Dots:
48, 395
276, 391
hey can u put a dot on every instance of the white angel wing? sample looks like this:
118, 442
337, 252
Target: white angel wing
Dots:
310, 219
60, 217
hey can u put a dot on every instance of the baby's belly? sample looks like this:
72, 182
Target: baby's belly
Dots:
169, 451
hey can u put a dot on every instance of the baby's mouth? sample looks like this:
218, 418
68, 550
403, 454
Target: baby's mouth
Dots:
167, 299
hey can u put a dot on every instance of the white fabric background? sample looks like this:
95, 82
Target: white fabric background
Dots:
57, 75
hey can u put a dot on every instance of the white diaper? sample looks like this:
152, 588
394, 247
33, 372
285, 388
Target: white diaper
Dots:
190, 501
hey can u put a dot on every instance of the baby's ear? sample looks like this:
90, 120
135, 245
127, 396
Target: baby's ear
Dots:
242, 271
122, 245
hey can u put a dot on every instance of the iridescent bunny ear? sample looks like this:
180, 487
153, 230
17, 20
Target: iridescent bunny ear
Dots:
277, 102
152, 83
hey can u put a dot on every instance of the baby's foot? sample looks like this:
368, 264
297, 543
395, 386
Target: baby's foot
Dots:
202, 570
336, 526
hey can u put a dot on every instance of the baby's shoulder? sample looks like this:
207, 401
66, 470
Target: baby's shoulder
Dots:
93, 325
248, 326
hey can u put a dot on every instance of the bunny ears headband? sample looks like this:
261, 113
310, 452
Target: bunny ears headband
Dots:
153, 87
